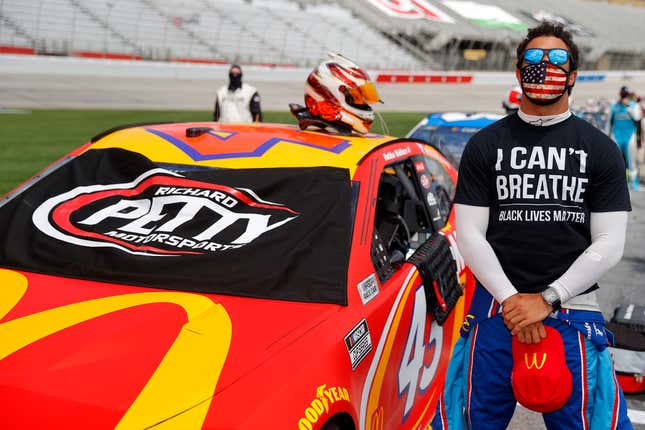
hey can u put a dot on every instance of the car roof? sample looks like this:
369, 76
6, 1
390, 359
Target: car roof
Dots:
259, 145
462, 119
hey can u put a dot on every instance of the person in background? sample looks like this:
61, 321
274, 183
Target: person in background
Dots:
640, 152
541, 215
237, 102
624, 122
511, 102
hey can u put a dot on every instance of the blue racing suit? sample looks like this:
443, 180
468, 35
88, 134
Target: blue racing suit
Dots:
623, 130
480, 396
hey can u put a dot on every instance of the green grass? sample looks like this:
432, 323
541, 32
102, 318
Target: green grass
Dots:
33, 140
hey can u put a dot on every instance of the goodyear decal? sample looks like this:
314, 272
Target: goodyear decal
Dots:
318, 408
181, 371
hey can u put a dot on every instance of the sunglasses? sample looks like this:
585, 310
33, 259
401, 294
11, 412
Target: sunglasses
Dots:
557, 56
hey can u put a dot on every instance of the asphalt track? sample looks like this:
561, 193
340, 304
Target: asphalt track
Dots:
624, 283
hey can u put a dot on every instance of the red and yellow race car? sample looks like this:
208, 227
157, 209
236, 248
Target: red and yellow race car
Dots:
202, 275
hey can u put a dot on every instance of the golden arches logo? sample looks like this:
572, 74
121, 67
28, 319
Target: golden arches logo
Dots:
183, 383
534, 361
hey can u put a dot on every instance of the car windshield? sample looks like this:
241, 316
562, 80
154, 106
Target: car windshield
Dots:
450, 140
116, 216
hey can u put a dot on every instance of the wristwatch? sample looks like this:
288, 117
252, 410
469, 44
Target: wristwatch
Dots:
551, 296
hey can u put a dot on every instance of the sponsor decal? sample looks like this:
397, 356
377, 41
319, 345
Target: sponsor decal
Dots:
411, 9
419, 166
368, 288
319, 406
180, 371
484, 14
399, 152
358, 343
432, 201
468, 323
160, 214
425, 182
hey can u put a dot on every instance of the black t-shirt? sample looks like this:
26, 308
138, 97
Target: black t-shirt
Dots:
541, 183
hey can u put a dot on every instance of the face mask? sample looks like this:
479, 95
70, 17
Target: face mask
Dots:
234, 81
544, 83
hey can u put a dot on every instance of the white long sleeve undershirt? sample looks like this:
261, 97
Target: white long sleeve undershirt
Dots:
606, 249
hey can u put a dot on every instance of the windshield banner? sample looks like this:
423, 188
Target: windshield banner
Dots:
115, 216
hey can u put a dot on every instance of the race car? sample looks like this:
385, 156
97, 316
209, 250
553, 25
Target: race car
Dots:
595, 112
211, 276
450, 131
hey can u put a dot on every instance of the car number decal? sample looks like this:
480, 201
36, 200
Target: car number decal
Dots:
371, 408
415, 350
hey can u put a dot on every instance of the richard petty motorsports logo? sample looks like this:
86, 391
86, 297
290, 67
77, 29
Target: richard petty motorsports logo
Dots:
160, 214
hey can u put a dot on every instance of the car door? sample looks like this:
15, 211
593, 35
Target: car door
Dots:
409, 229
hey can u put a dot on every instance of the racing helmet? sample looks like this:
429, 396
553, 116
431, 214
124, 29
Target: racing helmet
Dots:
511, 102
339, 91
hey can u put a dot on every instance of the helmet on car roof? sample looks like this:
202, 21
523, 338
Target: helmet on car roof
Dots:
511, 102
339, 91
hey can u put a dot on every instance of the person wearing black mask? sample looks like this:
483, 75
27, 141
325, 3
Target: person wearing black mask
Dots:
237, 102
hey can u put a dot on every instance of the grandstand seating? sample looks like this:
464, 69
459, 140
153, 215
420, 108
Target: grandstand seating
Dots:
616, 43
271, 32
301, 32
280, 31
11, 37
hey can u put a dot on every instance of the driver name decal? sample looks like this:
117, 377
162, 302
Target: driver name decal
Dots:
397, 153
160, 214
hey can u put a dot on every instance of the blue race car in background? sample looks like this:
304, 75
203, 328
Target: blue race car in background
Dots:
597, 113
450, 131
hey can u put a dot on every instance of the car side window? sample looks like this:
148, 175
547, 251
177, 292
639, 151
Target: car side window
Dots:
402, 220
438, 188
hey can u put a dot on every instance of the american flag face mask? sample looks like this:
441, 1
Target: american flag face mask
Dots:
544, 83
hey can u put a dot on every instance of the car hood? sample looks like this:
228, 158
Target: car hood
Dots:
130, 356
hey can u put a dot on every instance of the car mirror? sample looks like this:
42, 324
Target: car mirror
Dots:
397, 257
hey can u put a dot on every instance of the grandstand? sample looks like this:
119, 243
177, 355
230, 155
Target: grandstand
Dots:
378, 34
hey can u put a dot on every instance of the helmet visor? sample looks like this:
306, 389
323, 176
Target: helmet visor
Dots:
363, 95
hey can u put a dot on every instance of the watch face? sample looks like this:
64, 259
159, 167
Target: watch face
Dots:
550, 296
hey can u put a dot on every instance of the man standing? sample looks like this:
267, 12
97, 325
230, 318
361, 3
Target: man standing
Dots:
541, 208
625, 119
237, 102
